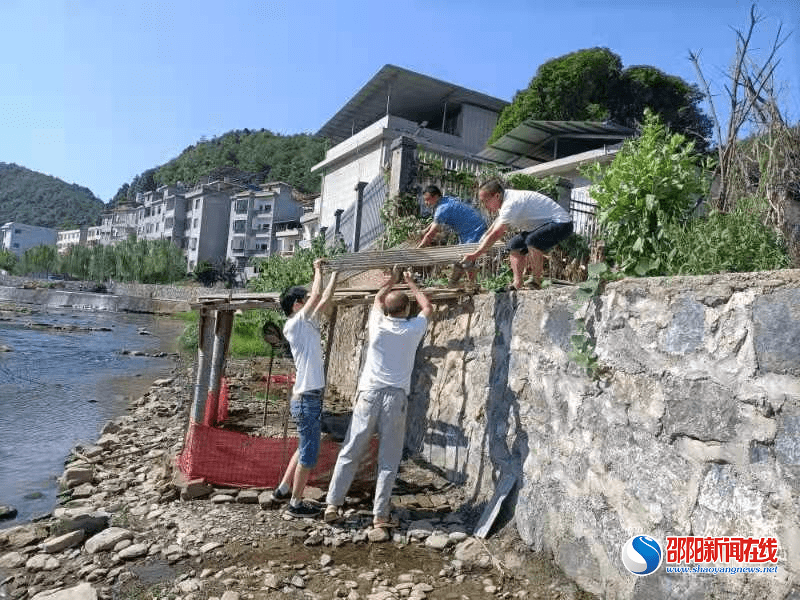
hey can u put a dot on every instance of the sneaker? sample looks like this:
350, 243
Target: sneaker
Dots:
279, 498
302, 510
332, 514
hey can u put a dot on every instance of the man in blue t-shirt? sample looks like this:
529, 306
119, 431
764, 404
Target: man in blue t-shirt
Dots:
462, 218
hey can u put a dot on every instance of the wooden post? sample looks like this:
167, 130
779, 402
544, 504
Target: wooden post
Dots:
204, 349
222, 333
359, 202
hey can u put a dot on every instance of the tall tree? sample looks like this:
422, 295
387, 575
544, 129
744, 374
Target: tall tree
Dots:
591, 85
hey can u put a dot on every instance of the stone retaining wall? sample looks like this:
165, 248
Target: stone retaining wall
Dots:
695, 430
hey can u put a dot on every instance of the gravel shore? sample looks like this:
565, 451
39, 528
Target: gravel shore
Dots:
130, 528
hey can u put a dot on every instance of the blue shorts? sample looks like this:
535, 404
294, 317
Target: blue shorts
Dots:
542, 238
306, 411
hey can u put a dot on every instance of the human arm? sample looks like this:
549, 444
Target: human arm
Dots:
387, 286
494, 233
316, 290
429, 234
327, 294
426, 308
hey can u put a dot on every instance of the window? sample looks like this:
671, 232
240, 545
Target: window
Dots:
241, 206
265, 208
18, 231
193, 244
239, 226
197, 203
15, 245
168, 223
195, 223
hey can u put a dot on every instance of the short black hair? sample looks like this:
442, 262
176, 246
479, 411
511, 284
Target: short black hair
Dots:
290, 296
432, 190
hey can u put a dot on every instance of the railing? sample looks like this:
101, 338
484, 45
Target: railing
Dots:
582, 208
371, 225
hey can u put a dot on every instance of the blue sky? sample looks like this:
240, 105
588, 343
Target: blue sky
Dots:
96, 91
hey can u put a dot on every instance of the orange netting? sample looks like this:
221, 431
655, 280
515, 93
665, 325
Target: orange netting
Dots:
224, 457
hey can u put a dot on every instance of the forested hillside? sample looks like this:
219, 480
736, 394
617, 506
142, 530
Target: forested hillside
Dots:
254, 156
37, 199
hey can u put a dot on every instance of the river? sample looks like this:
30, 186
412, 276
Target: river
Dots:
58, 388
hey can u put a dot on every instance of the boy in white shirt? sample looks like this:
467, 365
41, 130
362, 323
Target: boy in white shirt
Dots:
302, 331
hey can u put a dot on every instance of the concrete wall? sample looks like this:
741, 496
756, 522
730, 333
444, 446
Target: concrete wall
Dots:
694, 430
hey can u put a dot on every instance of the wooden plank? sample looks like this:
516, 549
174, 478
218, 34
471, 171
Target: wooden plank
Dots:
492, 509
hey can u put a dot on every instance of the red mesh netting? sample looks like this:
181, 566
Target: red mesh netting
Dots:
230, 458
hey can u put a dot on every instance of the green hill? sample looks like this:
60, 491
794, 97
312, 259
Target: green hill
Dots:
38, 199
245, 155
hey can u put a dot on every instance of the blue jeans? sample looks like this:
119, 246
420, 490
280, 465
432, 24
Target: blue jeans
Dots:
306, 409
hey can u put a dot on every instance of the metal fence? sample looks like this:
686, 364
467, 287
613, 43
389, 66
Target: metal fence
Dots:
582, 208
371, 225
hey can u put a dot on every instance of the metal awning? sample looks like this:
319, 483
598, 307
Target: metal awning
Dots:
402, 93
533, 142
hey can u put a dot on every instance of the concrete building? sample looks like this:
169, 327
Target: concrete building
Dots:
71, 237
118, 224
162, 214
309, 221
264, 220
19, 237
441, 117
207, 216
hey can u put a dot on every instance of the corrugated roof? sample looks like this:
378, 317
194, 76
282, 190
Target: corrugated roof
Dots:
533, 142
402, 93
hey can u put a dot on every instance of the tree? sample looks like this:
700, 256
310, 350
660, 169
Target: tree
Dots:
591, 85
8, 260
39, 259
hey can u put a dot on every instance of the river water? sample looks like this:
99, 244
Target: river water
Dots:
58, 388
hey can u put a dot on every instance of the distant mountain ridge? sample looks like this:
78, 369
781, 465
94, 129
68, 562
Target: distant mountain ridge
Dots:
37, 199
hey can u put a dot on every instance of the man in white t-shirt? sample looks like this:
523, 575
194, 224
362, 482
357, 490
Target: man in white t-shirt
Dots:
541, 222
381, 399
302, 331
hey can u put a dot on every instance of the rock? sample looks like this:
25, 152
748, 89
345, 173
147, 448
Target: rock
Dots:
107, 539
7, 512
206, 548
271, 581
247, 497
68, 540
108, 441
471, 552
74, 476
42, 562
196, 488
190, 585
163, 382
229, 595
4, 348
12, 560
23, 535
88, 519
83, 591
133, 551
378, 534
438, 542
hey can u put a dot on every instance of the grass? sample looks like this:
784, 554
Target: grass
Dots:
246, 338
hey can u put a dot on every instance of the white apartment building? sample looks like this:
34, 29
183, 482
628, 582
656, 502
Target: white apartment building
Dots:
85, 236
309, 221
207, 221
19, 237
441, 117
71, 237
162, 214
263, 220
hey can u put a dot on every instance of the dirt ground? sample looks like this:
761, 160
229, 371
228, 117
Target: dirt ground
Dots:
516, 572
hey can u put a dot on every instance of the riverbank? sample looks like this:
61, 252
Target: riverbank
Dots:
129, 528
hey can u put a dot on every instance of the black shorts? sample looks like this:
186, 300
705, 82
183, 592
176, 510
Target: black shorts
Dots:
542, 238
